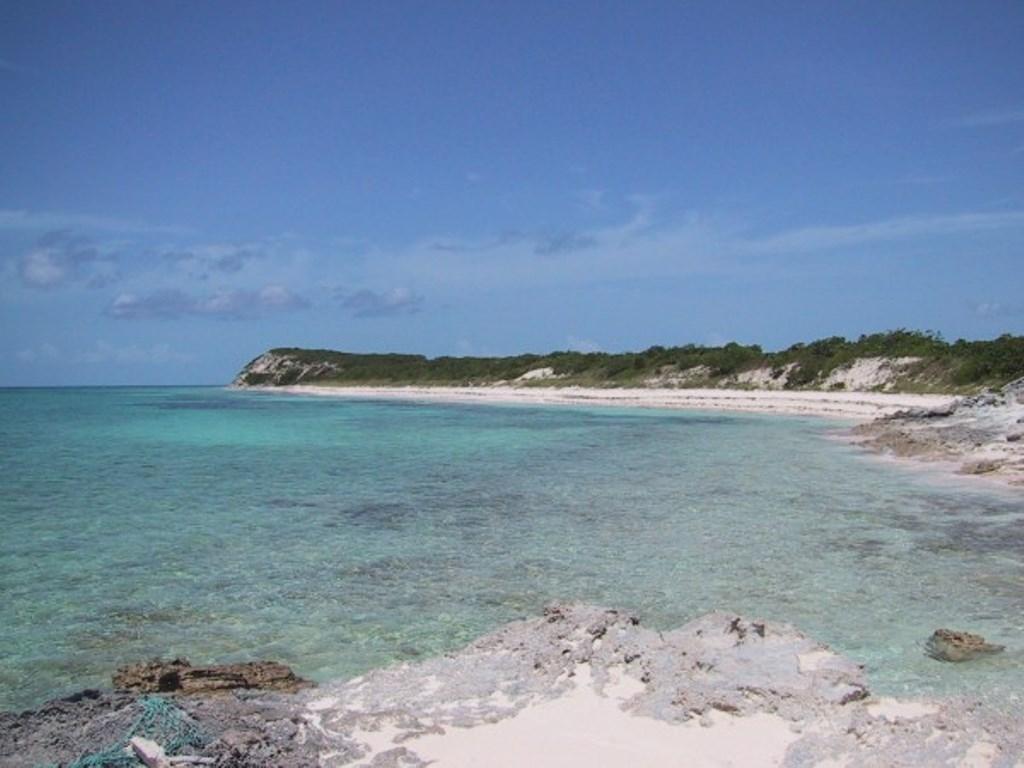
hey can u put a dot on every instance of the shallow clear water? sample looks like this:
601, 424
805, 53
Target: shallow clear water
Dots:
341, 535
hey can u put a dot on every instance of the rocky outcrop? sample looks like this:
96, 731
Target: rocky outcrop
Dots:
179, 676
980, 433
951, 645
278, 368
721, 671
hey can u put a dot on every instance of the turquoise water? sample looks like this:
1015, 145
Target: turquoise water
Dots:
338, 536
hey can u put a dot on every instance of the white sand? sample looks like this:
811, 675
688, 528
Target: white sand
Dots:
584, 728
867, 373
843, 405
901, 709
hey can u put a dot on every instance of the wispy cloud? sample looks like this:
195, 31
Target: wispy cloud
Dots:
6, 65
591, 199
228, 304
998, 309
13, 220
905, 228
44, 353
920, 180
397, 301
565, 242
582, 345
61, 257
989, 118
130, 354
201, 261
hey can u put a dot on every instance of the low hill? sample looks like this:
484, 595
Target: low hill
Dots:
896, 361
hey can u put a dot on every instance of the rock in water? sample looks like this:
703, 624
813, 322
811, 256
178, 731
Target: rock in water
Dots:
179, 676
950, 645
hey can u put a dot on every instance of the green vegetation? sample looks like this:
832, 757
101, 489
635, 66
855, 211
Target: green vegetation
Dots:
961, 366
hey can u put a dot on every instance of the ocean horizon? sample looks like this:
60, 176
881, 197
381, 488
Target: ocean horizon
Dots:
341, 535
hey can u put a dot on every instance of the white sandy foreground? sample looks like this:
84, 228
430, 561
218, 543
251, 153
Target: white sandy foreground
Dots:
582, 686
844, 405
584, 728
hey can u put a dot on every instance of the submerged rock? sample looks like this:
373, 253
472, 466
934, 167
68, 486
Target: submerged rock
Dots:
950, 645
179, 676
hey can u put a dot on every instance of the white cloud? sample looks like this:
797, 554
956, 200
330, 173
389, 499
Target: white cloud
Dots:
397, 301
42, 269
582, 345
40, 354
131, 354
61, 257
202, 261
906, 228
989, 118
632, 249
920, 180
998, 309
591, 199
638, 248
225, 303
6, 65
20, 220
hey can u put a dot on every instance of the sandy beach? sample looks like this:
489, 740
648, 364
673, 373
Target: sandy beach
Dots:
977, 436
859, 406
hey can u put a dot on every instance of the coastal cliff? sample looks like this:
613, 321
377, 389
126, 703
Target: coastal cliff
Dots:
899, 361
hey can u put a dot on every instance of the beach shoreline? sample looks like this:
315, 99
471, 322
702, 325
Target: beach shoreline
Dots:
852, 406
975, 436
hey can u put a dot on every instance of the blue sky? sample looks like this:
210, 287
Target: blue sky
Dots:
183, 185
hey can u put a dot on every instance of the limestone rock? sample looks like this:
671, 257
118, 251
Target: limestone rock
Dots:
179, 676
979, 467
950, 645
717, 669
279, 367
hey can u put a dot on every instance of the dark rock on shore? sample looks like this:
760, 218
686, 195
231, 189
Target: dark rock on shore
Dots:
180, 676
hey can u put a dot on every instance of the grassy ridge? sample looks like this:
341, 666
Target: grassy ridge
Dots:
943, 366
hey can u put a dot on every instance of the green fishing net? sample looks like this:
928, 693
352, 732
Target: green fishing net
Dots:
161, 721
